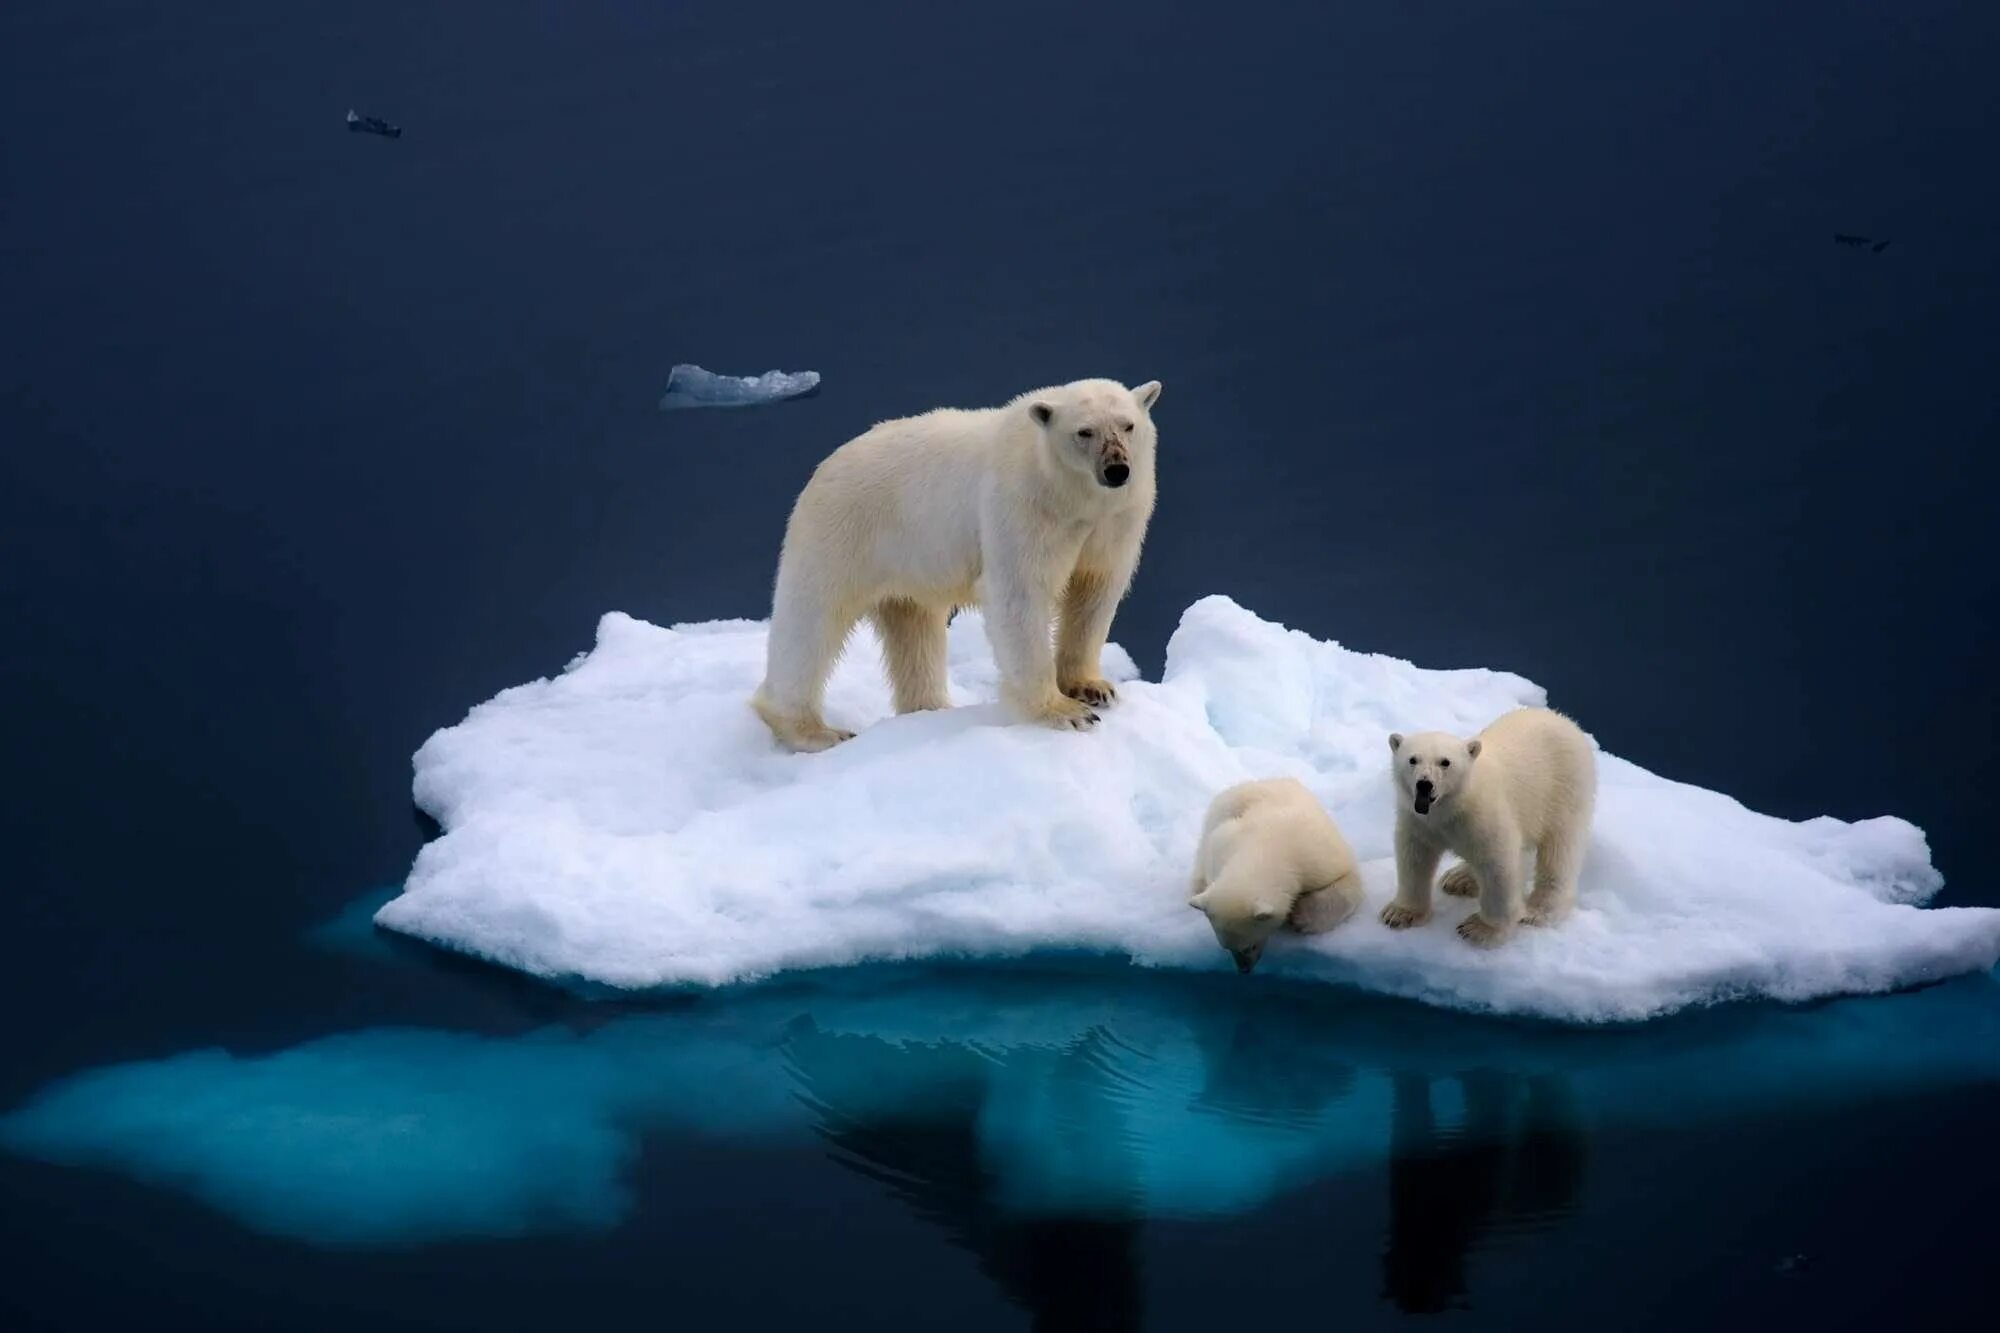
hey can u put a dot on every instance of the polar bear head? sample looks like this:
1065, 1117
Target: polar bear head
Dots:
1243, 914
1099, 429
1431, 767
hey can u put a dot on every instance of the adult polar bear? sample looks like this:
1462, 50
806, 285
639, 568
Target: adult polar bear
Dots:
1034, 511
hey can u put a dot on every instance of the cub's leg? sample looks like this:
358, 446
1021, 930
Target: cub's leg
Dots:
1558, 862
1499, 876
1416, 866
1460, 882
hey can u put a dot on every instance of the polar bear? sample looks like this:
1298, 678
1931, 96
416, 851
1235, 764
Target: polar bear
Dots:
1035, 511
1270, 857
1527, 782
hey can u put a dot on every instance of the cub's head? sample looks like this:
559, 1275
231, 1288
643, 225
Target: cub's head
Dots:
1243, 916
1098, 428
1431, 767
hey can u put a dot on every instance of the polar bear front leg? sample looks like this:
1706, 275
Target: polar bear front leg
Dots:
1018, 614
1088, 604
1416, 864
1499, 876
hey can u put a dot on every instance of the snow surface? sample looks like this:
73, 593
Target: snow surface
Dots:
691, 386
631, 823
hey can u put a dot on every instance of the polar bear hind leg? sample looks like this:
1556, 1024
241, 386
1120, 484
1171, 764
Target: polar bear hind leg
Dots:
807, 637
914, 651
1558, 861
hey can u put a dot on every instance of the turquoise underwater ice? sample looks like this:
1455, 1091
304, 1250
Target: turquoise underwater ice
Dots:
1086, 1090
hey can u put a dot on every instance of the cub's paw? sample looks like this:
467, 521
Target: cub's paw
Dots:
1480, 933
1546, 909
1064, 714
1460, 882
1398, 917
1096, 693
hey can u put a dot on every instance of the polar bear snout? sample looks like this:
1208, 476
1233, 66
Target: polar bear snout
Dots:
1114, 467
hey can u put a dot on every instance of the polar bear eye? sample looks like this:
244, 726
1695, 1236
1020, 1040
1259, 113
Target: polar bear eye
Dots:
1444, 763
1413, 761
1086, 433
1127, 427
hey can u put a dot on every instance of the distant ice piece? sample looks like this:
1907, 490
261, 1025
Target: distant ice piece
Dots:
360, 124
691, 386
630, 822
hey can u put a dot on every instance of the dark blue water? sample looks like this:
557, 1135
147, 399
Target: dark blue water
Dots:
1504, 335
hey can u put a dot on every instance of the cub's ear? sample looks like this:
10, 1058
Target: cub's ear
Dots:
1147, 394
1199, 901
1395, 741
1041, 412
1472, 749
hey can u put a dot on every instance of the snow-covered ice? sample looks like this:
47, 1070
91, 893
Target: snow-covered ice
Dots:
630, 822
691, 386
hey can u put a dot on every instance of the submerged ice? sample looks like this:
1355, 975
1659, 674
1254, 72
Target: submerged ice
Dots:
629, 822
1010, 1094
691, 386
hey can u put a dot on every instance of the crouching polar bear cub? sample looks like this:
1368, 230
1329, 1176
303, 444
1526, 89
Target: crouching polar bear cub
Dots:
1271, 857
1526, 783
1034, 511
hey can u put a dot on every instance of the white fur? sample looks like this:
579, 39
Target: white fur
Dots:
1270, 856
1526, 783
1004, 508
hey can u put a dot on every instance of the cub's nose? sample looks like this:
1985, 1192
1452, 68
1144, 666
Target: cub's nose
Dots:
1117, 474
1425, 786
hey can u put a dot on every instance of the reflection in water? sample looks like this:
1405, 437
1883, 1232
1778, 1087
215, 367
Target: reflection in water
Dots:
1518, 1160
1038, 1116
1076, 1271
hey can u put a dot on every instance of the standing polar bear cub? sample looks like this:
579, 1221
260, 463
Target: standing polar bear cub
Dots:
1270, 857
1526, 783
1034, 511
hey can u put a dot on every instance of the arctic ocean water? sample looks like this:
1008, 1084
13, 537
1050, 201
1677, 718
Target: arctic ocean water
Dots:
1511, 338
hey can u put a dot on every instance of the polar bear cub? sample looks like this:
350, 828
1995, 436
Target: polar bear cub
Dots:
1034, 511
1271, 857
1526, 783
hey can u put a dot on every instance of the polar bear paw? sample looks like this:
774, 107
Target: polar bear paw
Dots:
1480, 933
1460, 882
811, 740
1397, 916
1066, 714
1546, 909
1092, 692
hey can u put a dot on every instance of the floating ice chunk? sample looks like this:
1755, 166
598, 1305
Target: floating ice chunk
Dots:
630, 822
691, 386
1102, 1093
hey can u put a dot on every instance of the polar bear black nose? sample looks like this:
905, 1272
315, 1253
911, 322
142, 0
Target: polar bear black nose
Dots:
1116, 474
1425, 787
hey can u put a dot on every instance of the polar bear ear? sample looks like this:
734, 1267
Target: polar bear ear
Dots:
1041, 412
1147, 394
1395, 741
1472, 749
1199, 901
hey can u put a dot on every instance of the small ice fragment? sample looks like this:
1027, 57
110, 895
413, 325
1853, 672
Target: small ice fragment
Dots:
691, 386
